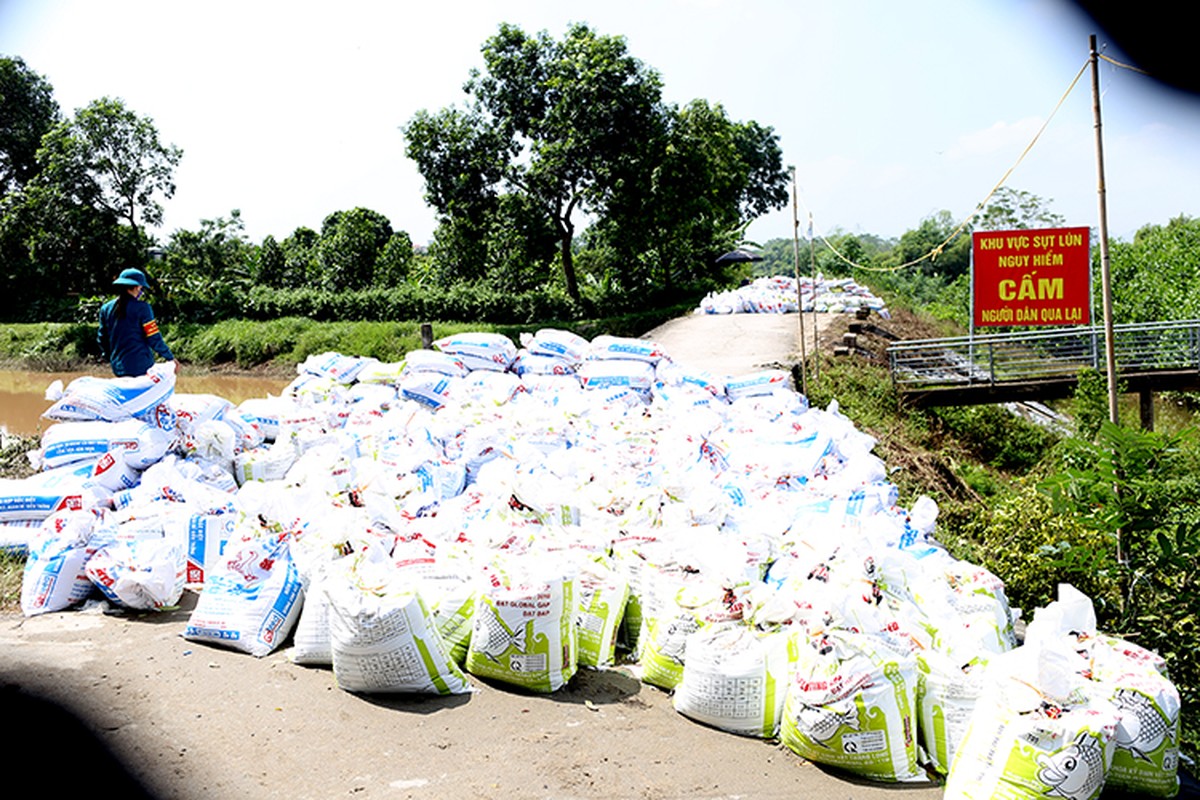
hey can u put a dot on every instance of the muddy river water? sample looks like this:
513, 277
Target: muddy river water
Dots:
23, 394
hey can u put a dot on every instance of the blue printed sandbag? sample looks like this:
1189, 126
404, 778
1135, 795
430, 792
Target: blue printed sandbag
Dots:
252, 599
112, 399
54, 577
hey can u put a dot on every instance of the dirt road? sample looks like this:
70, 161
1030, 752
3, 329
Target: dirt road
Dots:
185, 720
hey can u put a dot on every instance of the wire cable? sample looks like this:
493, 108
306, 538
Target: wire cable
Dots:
939, 249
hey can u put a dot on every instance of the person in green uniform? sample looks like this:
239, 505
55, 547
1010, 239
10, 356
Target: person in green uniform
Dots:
129, 337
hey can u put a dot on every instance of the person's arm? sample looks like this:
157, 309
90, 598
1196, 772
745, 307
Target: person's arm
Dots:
153, 336
102, 336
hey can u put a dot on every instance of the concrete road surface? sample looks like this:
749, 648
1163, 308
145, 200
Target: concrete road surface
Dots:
732, 344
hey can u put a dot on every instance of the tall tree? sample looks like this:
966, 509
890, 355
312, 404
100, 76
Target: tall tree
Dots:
950, 257
349, 245
27, 112
1013, 209
111, 159
558, 121
574, 131
706, 179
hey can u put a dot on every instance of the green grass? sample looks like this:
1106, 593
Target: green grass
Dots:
13, 464
280, 343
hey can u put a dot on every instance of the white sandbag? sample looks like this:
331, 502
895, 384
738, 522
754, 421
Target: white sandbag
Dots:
523, 631
534, 364
555, 343
15, 536
113, 474
40, 495
264, 413
433, 361
371, 395
377, 372
621, 373
311, 645
1146, 753
624, 348
851, 704
675, 607
114, 399
1146, 756
269, 463
431, 389
193, 409
384, 639
454, 612
551, 385
339, 367
479, 350
484, 364
735, 679
757, 383
142, 574
251, 600
54, 577
70, 442
672, 374
206, 534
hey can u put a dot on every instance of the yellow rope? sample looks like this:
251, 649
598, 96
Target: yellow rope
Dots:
937, 251
1116, 63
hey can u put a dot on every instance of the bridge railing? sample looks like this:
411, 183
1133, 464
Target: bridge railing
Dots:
1043, 354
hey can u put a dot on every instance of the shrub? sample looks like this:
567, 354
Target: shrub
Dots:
998, 437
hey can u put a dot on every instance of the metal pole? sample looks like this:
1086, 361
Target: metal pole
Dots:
799, 293
1105, 277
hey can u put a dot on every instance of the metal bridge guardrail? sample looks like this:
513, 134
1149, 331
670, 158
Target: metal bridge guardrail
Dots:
1043, 354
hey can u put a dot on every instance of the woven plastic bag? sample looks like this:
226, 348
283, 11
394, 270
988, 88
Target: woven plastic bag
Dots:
383, 638
251, 600
851, 704
523, 630
735, 679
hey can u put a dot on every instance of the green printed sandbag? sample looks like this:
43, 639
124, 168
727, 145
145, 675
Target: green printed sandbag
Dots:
695, 604
1133, 679
735, 679
453, 613
946, 697
850, 704
1037, 731
1146, 758
603, 595
523, 631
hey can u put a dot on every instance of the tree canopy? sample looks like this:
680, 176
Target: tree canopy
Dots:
573, 131
27, 112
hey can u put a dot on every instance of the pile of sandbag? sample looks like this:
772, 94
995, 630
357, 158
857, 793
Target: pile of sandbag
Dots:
520, 513
779, 295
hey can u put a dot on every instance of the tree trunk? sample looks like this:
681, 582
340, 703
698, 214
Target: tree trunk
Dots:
567, 235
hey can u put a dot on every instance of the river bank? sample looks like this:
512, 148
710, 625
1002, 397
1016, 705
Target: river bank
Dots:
23, 391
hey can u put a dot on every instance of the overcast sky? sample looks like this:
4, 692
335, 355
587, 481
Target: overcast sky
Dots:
890, 111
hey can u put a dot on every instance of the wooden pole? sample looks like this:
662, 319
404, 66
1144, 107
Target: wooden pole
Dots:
1110, 360
799, 293
1105, 276
812, 257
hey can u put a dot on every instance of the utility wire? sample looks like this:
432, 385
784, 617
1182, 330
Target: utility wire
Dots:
937, 251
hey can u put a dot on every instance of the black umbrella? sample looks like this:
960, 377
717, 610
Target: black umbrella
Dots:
738, 256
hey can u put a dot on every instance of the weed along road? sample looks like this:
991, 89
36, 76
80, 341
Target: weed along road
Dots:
187, 720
